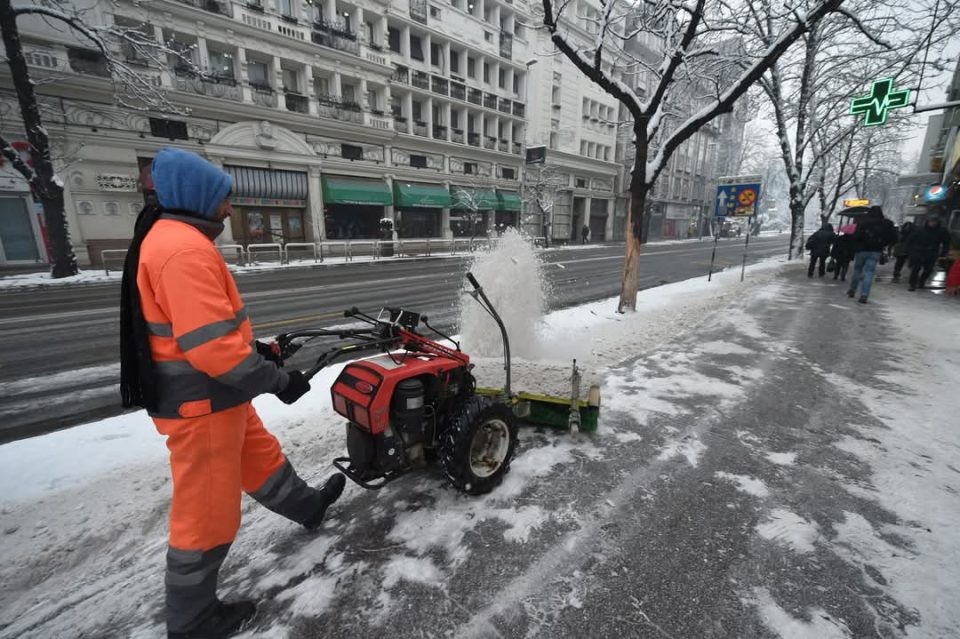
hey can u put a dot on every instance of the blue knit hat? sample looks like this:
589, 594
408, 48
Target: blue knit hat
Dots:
185, 181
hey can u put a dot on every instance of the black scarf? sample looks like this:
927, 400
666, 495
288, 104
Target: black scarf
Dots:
137, 383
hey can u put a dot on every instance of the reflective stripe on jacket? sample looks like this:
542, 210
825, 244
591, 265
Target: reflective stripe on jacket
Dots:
200, 336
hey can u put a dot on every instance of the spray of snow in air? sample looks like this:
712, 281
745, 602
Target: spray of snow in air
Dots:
511, 276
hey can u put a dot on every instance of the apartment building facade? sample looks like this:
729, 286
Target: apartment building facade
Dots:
330, 115
578, 124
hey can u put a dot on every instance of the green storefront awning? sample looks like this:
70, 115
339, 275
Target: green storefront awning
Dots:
412, 195
473, 199
508, 201
347, 191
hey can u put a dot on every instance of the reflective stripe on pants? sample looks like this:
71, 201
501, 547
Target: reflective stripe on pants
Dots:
213, 459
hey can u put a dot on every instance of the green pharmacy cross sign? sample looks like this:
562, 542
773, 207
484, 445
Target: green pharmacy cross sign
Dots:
880, 102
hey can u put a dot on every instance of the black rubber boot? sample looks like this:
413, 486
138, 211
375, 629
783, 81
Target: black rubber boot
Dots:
863, 299
850, 294
330, 493
225, 620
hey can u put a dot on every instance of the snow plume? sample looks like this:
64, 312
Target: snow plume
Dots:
511, 276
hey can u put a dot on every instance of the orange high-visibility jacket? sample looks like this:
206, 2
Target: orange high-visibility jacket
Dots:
200, 338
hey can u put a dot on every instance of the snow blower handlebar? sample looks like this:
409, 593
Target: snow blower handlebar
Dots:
486, 305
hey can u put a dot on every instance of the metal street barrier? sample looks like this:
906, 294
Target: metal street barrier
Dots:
253, 249
121, 253
364, 248
225, 250
334, 249
300, 247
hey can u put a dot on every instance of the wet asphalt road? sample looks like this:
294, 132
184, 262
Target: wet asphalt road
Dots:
58, 348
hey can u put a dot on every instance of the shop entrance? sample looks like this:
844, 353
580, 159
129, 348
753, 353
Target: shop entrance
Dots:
268, 225
420, 222
16, 231
353, 221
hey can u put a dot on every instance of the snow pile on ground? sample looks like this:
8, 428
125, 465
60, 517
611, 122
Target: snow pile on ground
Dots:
36, 280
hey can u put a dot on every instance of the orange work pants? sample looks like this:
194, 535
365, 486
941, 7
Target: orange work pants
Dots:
213, 458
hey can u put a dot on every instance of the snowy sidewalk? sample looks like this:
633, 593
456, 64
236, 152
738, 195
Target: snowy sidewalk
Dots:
773, 460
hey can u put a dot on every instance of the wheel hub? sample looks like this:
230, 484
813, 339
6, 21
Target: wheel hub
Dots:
489, 448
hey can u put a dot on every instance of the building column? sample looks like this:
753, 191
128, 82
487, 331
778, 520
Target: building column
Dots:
384, 34
337, 88
445, 231
166, 77
359, 25
278, 82
77, 242
448, 108
330, 11
427, 41
363, 95
405, 44
243, 77
310, 91
317, 230
482, 129
390, 212
446, 58
428, 116
608, 231
203, 55
587, 201
408, 109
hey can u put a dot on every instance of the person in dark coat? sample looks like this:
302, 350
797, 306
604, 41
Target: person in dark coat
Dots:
870, 239
842, 254
926, 245
819, 246
584, 234
900, 249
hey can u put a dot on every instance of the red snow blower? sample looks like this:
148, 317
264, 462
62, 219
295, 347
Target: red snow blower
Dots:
417, 401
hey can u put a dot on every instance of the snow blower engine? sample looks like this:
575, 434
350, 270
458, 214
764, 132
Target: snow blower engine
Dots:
415, 402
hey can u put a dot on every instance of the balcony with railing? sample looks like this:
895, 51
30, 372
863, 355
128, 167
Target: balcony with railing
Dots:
296, 102
378, 120
518, 148
263, 95
336, 111
420, 128
458, 91
336, 27
456, 135
439, 85
334, 41
420, 80
473, 139
504, 106
519, 109
490, 101
503, 146
490, 142
439, 132
212, 6
475, 96
401, 74
214, 86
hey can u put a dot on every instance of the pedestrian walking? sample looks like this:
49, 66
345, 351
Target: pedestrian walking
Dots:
584, 234
819, 246
926, 245
869, 240
842, 254
900, 254
188, 356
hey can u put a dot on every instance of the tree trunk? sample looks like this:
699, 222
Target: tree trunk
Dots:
634, 237
45, 186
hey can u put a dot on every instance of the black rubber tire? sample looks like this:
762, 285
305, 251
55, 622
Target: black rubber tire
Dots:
458, 435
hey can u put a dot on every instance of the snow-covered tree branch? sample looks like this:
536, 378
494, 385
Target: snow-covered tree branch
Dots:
681, 65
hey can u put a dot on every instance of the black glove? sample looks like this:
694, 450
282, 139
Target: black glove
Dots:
295, 388
270, 352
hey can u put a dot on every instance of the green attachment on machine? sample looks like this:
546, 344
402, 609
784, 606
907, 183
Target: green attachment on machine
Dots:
546, 410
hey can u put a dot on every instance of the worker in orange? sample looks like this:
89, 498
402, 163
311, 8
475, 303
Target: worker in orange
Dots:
188, 356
